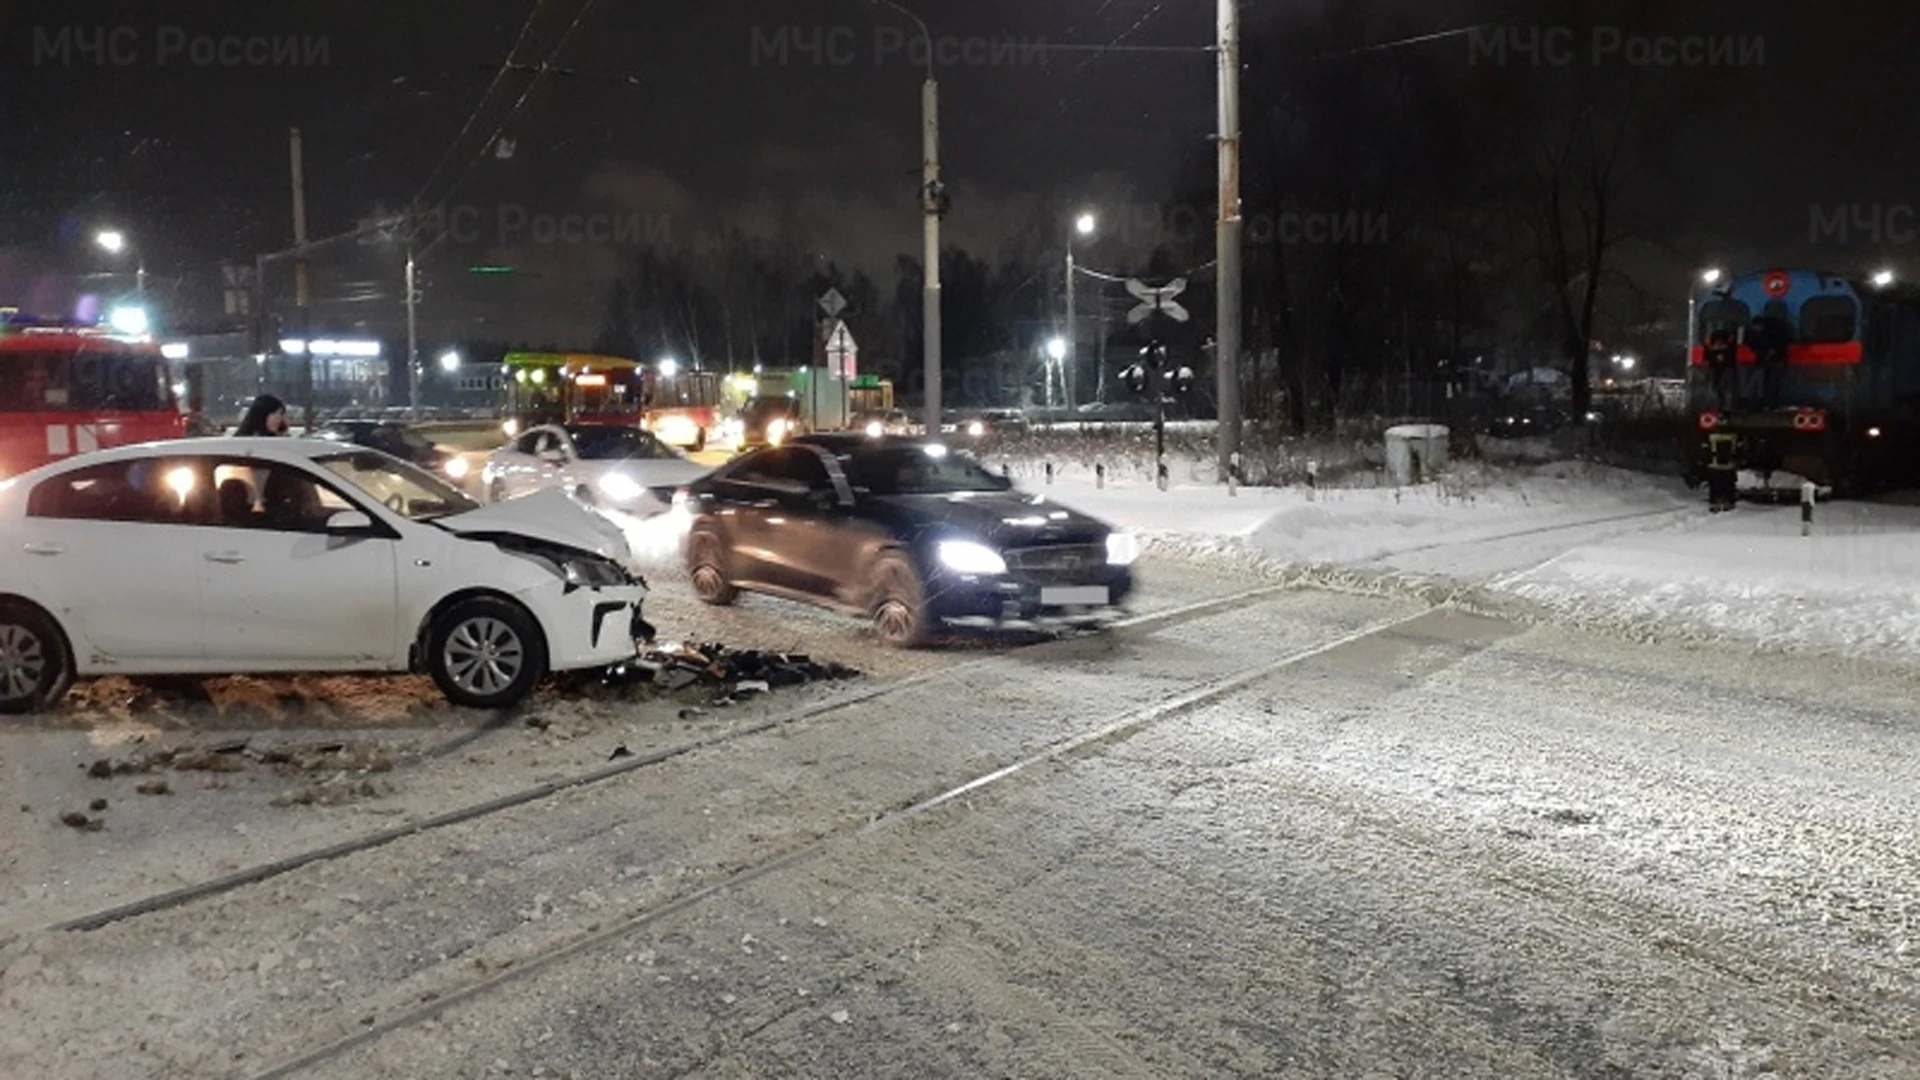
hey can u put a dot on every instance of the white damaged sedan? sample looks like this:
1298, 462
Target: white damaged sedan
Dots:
230, 555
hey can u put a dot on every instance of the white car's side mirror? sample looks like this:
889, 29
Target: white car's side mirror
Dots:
349, 522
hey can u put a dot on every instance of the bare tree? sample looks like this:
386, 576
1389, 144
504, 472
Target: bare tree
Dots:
1585, 138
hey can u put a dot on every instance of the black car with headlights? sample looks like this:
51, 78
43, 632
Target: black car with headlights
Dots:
396, 440
903, 531
769, 421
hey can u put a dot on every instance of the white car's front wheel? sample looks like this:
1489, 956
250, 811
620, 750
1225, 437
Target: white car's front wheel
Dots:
486, 652
35, 666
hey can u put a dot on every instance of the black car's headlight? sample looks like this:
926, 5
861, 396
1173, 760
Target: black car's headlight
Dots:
593, 573
969, 557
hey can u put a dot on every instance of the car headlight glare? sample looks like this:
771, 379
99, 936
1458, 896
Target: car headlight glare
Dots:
620, 487
1122, 548
776, 431
457, 468
592, 573
976, 429
968, 557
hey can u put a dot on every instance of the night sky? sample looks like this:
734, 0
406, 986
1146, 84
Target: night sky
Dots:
674, 121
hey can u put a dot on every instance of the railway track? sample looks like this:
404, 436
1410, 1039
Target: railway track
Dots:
1111, 730
264, 871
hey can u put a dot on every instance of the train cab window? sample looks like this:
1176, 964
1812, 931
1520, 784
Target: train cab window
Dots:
1828, 320
1725, 314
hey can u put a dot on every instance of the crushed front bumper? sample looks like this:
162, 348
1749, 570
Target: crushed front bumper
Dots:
592, 627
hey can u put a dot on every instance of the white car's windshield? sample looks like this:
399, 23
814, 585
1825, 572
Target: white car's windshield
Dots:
410, 492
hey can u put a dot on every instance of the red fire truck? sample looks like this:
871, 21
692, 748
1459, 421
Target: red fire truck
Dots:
68, 388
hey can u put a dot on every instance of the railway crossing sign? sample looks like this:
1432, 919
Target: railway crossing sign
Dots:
1156, 299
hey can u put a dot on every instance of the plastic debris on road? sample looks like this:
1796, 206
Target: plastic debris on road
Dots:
733, 674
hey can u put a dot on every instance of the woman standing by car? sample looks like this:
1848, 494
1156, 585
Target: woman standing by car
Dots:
266, 416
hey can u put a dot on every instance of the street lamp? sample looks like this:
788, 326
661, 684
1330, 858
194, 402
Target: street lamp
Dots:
450, 361
1882, 278
1083, 226
1057, 349
113, 241
669, 367
1711, 275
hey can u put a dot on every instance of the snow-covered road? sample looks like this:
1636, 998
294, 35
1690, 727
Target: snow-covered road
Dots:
1298, 833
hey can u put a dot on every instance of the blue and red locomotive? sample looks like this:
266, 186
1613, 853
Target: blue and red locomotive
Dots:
1813, 373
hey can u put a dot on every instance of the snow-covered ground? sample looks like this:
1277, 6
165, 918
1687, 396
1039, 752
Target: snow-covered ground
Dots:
1600, 545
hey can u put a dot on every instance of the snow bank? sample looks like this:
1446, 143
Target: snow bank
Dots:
1853, 587
1596, 545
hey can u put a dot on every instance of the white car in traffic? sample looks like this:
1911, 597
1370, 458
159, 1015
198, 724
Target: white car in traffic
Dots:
620, 468
229, 555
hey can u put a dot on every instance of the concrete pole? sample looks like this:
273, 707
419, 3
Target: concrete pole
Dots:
930, 209
297, 163
413, 342
1071, 364
1226, 333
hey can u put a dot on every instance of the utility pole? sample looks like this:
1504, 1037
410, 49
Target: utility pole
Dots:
1100, 357
1073, 333
300, 272
413, 339
1226, 334
932, 205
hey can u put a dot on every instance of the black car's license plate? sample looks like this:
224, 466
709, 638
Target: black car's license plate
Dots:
1075, 596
